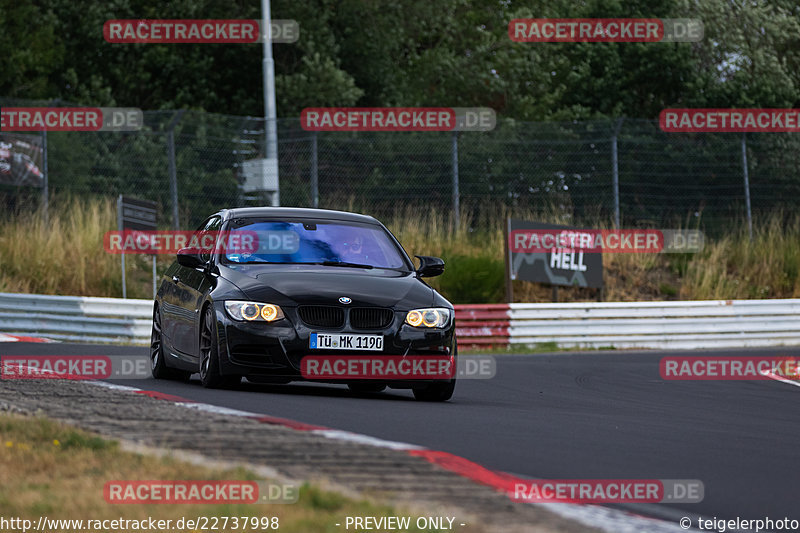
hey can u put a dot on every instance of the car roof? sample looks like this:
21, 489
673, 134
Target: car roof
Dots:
298, 212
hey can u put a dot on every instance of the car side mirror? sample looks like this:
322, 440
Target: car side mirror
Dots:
190, 257
429, 266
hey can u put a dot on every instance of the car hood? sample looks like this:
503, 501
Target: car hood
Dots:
312, 284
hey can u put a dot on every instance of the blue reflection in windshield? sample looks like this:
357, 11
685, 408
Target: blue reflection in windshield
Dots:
298, 242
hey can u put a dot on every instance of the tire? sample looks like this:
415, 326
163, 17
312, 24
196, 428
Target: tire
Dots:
158, 364
436, 392
440, 391
209, 369
366, 388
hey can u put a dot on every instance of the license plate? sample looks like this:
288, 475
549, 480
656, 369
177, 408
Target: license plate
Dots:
345, 341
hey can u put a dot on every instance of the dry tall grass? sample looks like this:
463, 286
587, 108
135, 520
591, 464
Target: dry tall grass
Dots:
731, 267
735, 267
66, 256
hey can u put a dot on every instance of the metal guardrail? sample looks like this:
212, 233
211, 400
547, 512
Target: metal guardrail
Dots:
76, 318
663, 325
680, 325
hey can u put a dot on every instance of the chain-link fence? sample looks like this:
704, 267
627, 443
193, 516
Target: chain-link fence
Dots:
600, 171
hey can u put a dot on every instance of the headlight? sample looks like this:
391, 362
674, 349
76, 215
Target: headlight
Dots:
436, 317
253, 311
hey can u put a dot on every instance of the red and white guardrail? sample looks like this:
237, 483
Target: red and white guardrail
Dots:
483, 326
659, 325
665, 325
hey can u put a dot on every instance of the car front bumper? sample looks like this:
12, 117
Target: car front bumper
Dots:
275, 350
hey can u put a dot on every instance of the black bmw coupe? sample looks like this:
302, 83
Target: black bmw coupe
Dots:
315, 284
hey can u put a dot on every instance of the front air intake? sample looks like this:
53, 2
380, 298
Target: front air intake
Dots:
370, 317
321, 316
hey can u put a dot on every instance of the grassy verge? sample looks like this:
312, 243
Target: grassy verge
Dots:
542, 347
66, 256
50, 469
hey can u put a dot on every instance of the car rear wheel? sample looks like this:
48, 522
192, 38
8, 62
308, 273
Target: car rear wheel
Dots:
210, 375
158, 366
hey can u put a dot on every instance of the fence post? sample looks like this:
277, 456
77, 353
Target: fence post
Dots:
456, 194
45, 171
173, 174
509, 266
746, 174
615, 170
314, 171
45, 184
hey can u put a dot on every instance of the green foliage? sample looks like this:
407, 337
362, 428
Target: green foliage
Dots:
667, 290
75, 439
416, 52
750, 56
472, 279
29, 52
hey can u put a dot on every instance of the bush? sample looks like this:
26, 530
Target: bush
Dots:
472, 279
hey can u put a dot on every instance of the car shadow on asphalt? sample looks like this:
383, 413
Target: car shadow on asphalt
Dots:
316, 389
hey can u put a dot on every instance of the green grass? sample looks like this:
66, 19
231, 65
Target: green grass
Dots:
48, 468
542, 347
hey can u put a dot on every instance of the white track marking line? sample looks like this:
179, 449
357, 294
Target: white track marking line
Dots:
358, 438
776, 377
604, 518
113, 386
208, 408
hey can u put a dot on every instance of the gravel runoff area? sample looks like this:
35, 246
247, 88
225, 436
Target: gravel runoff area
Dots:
378, 473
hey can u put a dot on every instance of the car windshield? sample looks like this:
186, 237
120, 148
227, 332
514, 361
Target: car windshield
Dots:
315, 242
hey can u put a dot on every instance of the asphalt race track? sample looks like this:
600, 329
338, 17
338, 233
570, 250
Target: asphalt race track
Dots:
590, 415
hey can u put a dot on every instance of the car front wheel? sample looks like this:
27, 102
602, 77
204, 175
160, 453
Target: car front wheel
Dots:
436, 392
440, 391
210, 375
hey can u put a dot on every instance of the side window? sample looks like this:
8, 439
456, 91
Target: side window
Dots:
212, 224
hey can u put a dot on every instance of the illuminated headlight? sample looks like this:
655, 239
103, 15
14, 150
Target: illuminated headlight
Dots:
436, 317
253, 311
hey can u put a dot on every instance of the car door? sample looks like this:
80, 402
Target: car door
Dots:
170, 310
190, 285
